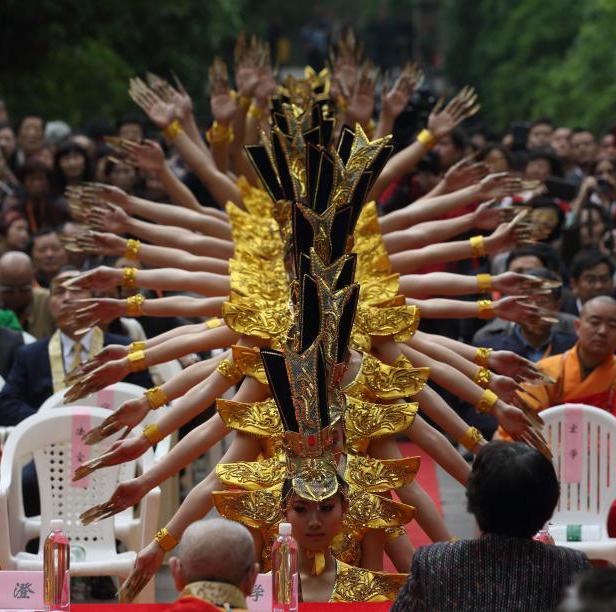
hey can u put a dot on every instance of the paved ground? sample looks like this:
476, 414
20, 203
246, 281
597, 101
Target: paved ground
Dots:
453, 500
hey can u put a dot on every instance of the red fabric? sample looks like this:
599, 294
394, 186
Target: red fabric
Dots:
305, 607
192, 604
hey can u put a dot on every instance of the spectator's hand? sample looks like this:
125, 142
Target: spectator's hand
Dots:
505, 387
463, 174
121, 451
93, 311
103, 376
148, 562
222, 102
462, 106
509, 364
512, 283
127, 494
128, 415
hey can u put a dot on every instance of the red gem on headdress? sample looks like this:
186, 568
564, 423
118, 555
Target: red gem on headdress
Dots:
311, 440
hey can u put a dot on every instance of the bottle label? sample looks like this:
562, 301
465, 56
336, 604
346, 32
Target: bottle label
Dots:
21, 590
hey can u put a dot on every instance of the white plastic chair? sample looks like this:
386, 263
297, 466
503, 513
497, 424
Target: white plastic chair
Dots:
586, 499
28, 338
46, 437
1, 383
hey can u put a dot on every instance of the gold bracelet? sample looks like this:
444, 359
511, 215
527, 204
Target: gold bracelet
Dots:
153, 434
213, 323
172, 130
129, 277
478, 246
482, 377
484, 283
471, 437
136, 361
219, 134
485, 309
426, 137
486, 402
165, 540
138, 345
156, 397
244, 103
482, 356
230, 371
134, 305
132, 249
256, 112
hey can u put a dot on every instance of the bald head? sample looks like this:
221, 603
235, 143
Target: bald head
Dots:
596, 330
217, 550
16, 277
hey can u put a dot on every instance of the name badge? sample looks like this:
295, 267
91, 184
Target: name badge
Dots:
21, 591
260, 600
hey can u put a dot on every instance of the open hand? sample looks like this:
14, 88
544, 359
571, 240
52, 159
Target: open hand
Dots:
128, 415
462, 106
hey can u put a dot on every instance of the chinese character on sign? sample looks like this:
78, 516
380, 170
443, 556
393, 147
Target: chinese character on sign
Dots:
80, 457
257, 592
573, 453
573, 428
80, 431
22, 590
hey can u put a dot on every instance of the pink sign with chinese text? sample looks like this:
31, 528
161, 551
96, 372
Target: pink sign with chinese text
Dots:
260, 600
80, 451
21, 591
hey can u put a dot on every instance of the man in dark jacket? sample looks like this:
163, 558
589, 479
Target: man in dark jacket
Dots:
512, 491
10, 341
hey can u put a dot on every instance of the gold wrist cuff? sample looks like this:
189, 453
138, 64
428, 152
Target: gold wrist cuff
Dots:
165, 540
244, 103
132, 249
213, 323
426, 138
129, 277
153, 434
484, 283
482, 377
139, 345
172, 130
485, 309
218, 134
156, 397
472, 436
134, 305
482, 356
230, 371
136, 361
256, 112
486, 402
478, 246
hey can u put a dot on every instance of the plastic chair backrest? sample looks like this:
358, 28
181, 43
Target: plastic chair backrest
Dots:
111, 397
583, 442
1, 383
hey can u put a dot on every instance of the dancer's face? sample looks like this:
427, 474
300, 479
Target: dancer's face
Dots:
315, 524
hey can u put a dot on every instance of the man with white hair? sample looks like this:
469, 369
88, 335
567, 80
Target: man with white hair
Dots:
215, 567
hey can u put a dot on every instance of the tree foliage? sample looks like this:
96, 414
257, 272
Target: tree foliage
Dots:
532, 58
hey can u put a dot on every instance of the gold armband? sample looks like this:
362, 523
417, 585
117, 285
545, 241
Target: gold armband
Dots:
471, 437
218, 134
165, 540
134, 305
256, 112
172, 130
132, 249
139, 345
244, 103
482, 377
484, 283
136, 361
485, 309
129, 277
230, 371
482, 356
486, 402
156, 397
213, 323
153, 434
478, 246
426, 137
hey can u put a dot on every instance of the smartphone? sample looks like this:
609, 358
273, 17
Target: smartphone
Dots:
560, 188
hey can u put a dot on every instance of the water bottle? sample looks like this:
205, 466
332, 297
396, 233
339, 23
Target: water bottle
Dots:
57, 575
284, 571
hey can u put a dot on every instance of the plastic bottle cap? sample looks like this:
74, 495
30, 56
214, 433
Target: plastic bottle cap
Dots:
285, 529
56, 524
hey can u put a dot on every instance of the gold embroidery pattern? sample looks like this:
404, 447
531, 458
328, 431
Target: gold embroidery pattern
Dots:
381, 475
229, 370
258, 419
357, 584
266, 324
252, 475
248, 361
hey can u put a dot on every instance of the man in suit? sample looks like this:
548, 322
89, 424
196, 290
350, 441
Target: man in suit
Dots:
40, 368
10, 341
512, 491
